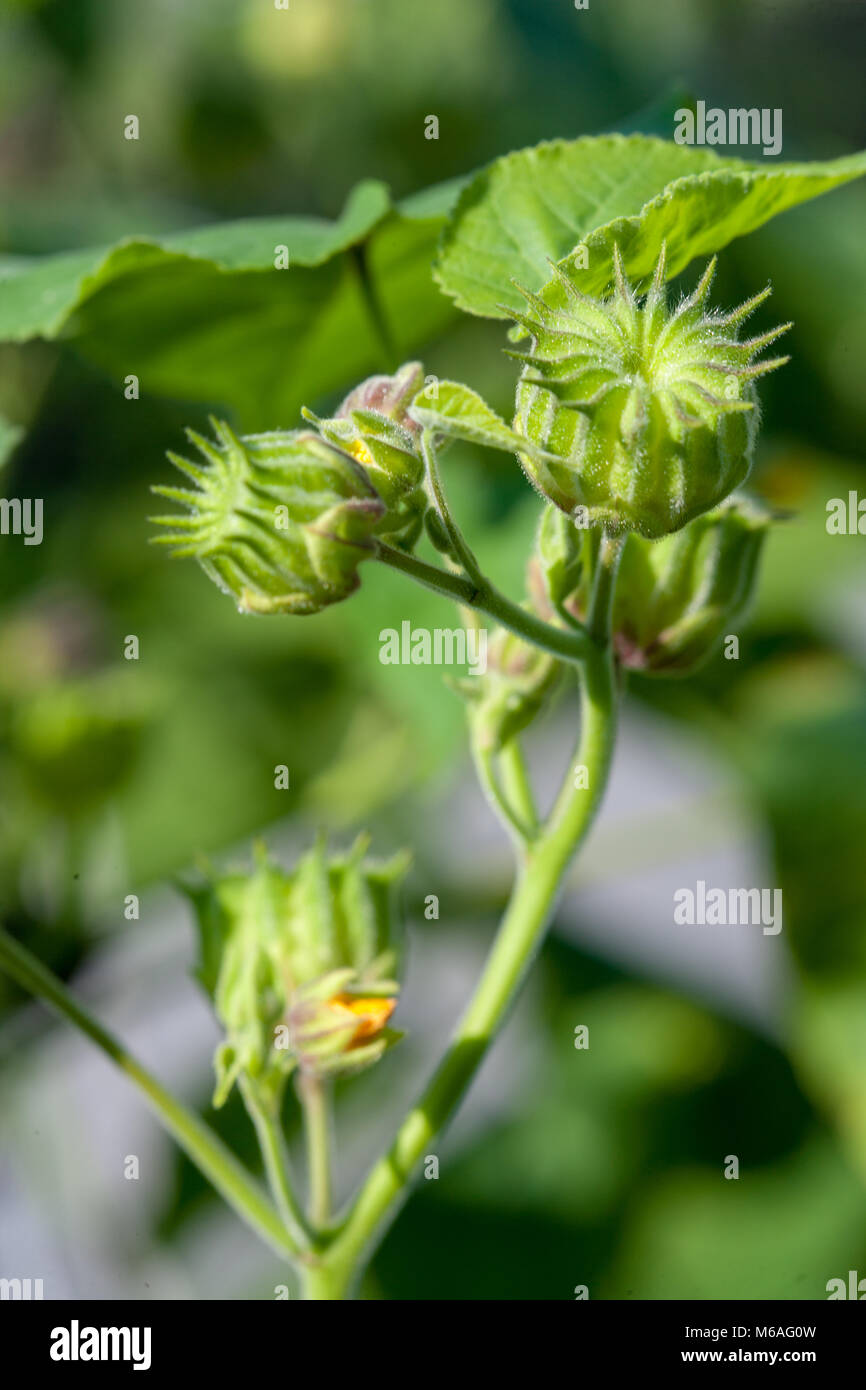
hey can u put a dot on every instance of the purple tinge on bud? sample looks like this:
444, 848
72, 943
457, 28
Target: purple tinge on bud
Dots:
374, 428
390, 396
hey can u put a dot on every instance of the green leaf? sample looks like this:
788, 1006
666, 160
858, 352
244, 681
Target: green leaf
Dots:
39, 297
452, 409
204, 315
830, 1051
537, 205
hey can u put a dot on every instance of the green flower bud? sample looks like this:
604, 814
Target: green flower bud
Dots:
677, 597
515, 687
300, 965
281, 521
558, 562
373, 425
650, 414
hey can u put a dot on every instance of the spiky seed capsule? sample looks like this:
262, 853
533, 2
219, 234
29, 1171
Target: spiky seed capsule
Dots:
300, 964
373, 425
651, 414
280, 521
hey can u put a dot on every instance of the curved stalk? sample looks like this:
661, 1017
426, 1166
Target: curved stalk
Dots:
459, 545
520, 827
218, 1164
513, 950
600, 614
516, 784
276, 1160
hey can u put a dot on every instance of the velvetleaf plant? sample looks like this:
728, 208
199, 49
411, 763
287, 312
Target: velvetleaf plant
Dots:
636, 421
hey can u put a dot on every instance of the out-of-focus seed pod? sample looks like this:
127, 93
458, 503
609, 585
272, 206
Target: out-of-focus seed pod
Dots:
300, 965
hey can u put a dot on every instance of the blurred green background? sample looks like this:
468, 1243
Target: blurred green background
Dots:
116, 774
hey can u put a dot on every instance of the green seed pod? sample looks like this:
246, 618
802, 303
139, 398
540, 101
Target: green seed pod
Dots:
300, 965
677, 597
373, 425
650, 414
281, 521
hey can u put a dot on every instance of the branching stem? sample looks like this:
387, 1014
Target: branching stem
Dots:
207, 1152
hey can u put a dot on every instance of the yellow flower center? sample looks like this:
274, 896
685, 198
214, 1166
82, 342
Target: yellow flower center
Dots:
371, 1012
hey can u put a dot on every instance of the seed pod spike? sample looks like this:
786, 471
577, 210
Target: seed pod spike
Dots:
623, 288
192, 470
542, 309
658, 281
563, 278
698, 296
213, 455
737, 316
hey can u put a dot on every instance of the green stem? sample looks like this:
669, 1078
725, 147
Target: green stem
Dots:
600, 614
568, 645
275, 1156
516, 784
323, 1282
315, 1099
520, 827
514, 948
207, 1152
459, 545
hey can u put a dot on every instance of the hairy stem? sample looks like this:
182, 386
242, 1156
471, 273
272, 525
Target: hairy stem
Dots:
462, 553
266, 1120
516, 784
519, 936
598, 619
520, 826
218, 1164
567, 644
315, 1099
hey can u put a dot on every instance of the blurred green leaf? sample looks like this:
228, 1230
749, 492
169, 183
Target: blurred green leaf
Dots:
206, 315
800, 1222
537, 205
40, 296
830, 1048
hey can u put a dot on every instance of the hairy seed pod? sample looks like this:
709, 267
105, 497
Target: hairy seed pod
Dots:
650, 414
280, 521
300, 964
